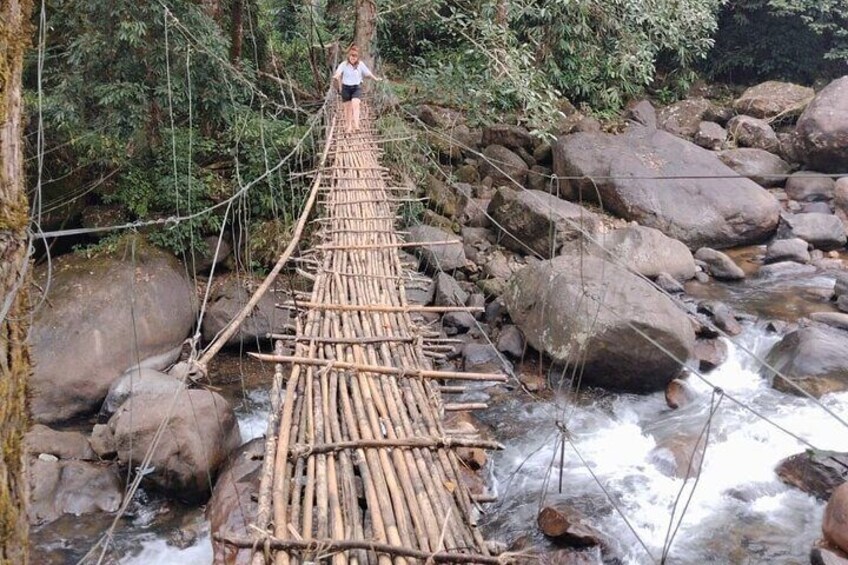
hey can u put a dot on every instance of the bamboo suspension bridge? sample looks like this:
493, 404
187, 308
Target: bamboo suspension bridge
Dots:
358, 466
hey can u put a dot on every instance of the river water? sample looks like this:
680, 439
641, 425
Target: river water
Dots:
739, 511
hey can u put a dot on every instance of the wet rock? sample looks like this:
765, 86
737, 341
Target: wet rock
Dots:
772, 98
89, 311
753, 132
212, 253
822, 231
646, 251
835, 523
719, 265
723, 317
64, 445
459, 321
794, 249
571, 556
227, 301
683, 118
696, 211
814, 472
503, 166
535, 221
816, 208
437, 257
103, 442
511, 137
567, 526
481, 358
642, 113
552, 303
822, 556
808, 186
710, 136
813, 358
139, 381
448, 291
834, 319
840, 200
679, 393
678, 455
785, 269
72, 487
232, 509
669, 284
710, 353
511, 341
823, 129
202, 431
474, 458
762, 167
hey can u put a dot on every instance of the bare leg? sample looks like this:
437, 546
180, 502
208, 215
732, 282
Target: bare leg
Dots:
355, 105
348, 113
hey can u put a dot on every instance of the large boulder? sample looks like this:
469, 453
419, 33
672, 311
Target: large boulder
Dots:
822, 231
683, 118
139, 381
646, 251
813, 358
532, 220
684, 204
808, 186
589, 312
40, 439
823, 129
232, 508
201, 433
60, 487
814, 472
438, 257
835, 522
772, 98
226, 302
762, 167
753, 132
503, 166
103, 315
719, 265
511, 137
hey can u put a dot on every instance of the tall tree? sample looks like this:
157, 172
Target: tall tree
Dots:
366, 28
14, 217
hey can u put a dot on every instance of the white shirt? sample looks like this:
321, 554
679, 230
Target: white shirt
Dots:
351, 75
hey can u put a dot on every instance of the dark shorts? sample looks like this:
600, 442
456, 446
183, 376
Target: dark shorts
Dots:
351, 91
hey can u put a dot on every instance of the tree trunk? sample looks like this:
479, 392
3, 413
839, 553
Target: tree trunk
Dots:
237, 32
15, 32
366, 29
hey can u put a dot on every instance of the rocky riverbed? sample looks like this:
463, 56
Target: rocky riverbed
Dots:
649, 273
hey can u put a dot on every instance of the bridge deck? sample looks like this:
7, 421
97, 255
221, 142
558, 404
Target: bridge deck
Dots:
361, 469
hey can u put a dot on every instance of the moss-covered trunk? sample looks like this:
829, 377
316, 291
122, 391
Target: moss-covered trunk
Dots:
14, 356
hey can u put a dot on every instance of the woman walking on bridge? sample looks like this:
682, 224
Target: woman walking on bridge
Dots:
348, 78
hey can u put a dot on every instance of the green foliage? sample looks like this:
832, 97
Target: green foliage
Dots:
797, 40
154, 96
597, 51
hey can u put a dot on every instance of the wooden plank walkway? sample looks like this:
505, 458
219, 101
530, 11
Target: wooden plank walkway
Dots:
361, 469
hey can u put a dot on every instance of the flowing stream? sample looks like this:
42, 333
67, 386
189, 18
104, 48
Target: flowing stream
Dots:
739, 511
